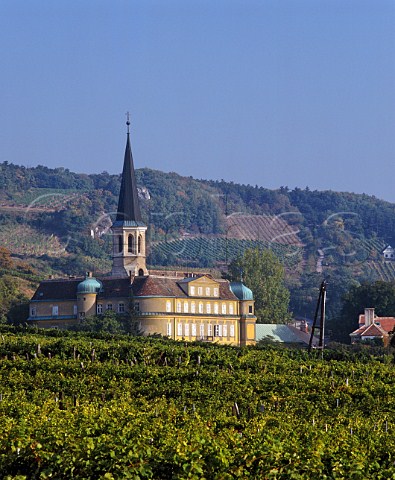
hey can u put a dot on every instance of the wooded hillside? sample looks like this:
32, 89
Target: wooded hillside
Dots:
58, 222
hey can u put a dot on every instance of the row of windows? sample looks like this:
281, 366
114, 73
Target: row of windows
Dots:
201, 308
109, 306
209, 292
55, 309
209, 330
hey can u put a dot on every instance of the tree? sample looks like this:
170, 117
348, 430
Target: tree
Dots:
5, 259
263, 273
9, 293
110, 322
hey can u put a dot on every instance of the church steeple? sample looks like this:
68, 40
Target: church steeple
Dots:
128, 204
128, 229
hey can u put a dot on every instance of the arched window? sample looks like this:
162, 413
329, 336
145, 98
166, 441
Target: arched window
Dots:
141, 272
140, 240
130, 243
120, 243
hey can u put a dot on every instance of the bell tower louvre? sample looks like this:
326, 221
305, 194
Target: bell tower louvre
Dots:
128, 229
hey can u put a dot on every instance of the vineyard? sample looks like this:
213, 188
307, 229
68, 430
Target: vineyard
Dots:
219, 250
24, 240
384, 270
86, 407
262, 227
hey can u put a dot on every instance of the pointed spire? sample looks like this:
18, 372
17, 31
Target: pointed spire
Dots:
128, 203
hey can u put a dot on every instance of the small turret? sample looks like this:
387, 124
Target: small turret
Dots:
87, 291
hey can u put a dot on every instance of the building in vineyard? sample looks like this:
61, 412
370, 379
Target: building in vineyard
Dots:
180, 306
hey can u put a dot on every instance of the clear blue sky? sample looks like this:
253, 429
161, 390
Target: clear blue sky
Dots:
283, 92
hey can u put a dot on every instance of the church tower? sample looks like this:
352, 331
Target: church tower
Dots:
128, 229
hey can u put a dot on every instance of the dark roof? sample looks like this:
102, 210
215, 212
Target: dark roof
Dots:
128, 203
66, 289
156, 286
120, 287
169, 287
115, 287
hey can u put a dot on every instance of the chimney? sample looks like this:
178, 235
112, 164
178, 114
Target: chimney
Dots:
369, 316
304, 327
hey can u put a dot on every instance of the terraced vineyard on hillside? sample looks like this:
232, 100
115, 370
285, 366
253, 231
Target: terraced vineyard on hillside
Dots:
24, 240
219, 250
266, 228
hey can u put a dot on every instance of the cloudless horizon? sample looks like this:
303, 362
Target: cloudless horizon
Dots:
264, 92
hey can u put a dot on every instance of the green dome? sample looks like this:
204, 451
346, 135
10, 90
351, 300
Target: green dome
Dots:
241, 291
89, 285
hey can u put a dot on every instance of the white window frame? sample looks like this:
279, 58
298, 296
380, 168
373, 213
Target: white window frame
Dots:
121, 307
201, 307
209, 330
231, 330
193, 307
168, 329
179, 329
216, 292
200, 290
168, 306
216, 308
55, 310
109, 307
217, 330
193, 329
225, 330
192, 290
186, 307
99, 308
208, 291
186, 330
223, 309
179, 306
208, 308
201, 330
231, 309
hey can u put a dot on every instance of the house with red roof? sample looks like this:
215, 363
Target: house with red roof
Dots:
372, 327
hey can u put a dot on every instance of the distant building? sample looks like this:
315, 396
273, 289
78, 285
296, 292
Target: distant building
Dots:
388, 253
291, 334
191, 307
371, 327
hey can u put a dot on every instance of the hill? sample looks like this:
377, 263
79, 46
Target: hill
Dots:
58, 221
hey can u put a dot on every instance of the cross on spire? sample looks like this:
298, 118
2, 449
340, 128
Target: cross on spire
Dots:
128, 120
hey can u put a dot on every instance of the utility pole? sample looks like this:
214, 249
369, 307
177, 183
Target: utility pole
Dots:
320, 308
